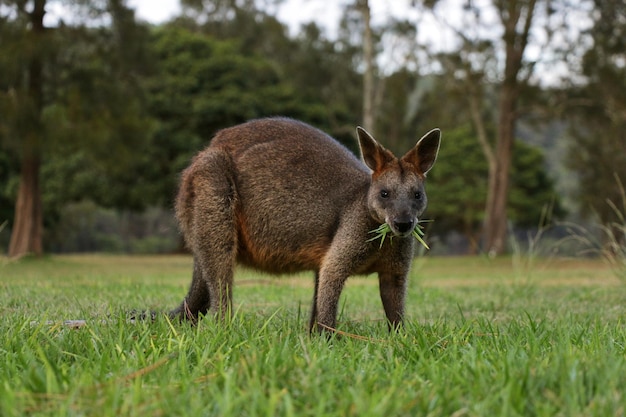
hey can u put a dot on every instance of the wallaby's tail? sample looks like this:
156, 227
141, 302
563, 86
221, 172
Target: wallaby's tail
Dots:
212, 171
184, 202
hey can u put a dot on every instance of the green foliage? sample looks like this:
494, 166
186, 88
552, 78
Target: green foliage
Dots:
197, 85
324, 74
8, 177
479, 346
100, 127
124, 106
598, 152
201, 85
321, 74
457, 187
399, 113
85, 227
81, 112
532, 196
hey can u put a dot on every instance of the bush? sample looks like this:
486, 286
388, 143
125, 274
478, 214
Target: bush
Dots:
87, 227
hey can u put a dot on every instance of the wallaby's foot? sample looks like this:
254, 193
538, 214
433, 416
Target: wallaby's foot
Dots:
324, 331
184, 313
181, 313
319, 328
141, 315
395, 327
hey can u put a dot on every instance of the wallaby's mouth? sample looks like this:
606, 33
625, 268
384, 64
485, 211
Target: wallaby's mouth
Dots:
402, 227
384, 229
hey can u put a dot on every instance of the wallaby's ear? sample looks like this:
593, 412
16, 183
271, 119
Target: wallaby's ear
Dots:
424, 153
372, 152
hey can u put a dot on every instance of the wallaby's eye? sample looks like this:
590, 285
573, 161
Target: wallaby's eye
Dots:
418, 195
384, 194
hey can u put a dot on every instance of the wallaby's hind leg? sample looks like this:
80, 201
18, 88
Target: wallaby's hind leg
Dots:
206, 207
197, 300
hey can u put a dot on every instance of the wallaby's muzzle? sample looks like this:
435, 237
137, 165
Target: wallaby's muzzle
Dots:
402, 226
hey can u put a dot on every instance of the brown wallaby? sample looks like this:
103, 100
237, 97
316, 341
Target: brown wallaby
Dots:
281, 196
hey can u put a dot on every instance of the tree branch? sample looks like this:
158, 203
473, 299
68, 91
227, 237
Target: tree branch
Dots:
474, 107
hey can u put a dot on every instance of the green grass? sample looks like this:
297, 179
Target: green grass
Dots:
482, 338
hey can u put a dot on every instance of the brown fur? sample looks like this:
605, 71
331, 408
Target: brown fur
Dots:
281, 196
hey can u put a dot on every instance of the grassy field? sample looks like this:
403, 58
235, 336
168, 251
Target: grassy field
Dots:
508, 337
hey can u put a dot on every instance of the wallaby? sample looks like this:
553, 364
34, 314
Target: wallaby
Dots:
281, 196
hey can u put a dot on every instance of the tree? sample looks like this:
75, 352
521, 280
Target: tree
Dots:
516, 17
457, 190
393, 43
598, 116
8, 174
369, 67
493, 67
321, 73
23, 101
65, 90
201, 85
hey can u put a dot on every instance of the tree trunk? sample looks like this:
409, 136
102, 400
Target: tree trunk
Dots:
495, 226
495, 230
26, 235
368, 75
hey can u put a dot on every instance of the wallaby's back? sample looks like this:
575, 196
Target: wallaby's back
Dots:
291, 185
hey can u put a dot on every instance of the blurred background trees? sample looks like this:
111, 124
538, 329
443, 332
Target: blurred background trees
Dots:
99, 112
70, 101
596, 110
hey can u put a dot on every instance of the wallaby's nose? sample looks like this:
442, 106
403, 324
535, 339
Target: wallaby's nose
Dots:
403, 227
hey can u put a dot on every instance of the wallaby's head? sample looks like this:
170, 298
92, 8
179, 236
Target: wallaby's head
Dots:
396, 195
